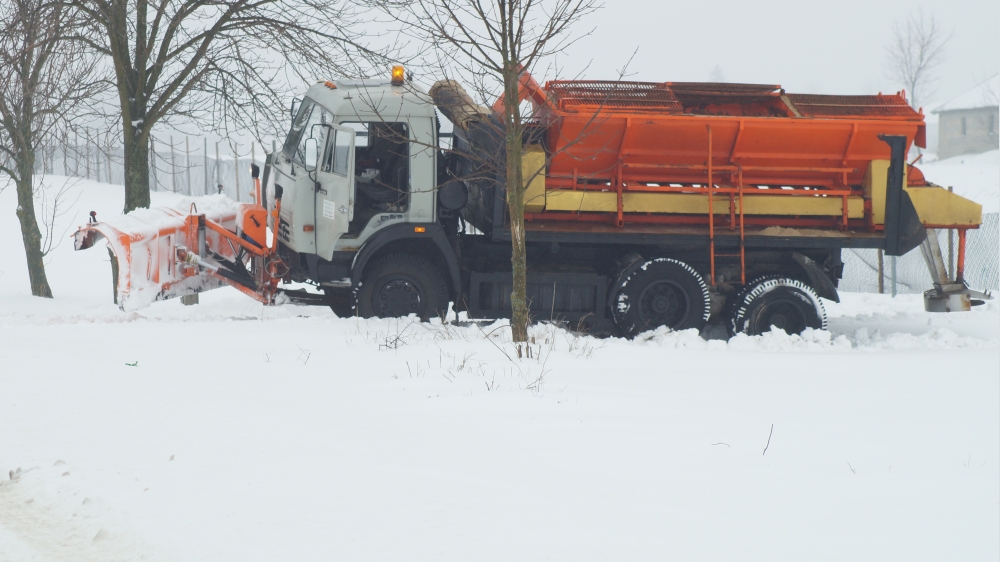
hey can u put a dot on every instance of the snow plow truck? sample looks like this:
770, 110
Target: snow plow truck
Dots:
646, 205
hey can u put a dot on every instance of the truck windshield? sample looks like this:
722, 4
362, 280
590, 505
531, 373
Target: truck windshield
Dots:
310, 113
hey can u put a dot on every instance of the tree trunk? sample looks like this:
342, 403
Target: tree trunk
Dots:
136, 169
31, 236
519, 318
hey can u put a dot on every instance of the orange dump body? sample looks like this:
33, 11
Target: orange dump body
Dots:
663, 133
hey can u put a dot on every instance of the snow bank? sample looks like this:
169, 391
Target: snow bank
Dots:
229, 431
973, 176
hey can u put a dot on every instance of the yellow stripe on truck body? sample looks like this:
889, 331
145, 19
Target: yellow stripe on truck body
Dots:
696, 204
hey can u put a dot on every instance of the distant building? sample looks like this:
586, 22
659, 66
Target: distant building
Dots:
968, 124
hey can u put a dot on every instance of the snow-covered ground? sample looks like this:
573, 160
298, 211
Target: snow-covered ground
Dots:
232, 432
974, 176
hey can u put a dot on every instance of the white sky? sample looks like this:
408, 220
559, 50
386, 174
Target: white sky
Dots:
807, 47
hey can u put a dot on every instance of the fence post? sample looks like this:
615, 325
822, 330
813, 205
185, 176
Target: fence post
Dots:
892, 268
205, 153
236, 169
97, 159
82, 149
152, 163
218, 172
951, 248
187, 162
173, 166
881, 274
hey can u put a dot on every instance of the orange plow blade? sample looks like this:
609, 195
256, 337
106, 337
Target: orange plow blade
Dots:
154, 249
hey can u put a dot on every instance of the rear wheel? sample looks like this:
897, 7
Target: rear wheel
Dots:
780, 302
733, 303
402, 284
661, 292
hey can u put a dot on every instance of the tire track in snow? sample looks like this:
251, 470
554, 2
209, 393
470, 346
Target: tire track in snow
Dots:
35, 529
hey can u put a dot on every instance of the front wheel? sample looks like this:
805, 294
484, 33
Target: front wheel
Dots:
341, 301
402, 284
780, 302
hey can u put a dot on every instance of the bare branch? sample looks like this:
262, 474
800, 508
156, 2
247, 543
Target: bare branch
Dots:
914, 53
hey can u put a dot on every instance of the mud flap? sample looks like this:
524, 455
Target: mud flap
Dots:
903, 229
819, 280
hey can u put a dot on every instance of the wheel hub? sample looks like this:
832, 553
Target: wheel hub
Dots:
662, 304
784, 315
397, 297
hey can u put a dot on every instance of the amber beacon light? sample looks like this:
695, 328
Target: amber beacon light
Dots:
398, 75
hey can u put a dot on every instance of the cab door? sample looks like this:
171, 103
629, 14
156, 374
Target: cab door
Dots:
334, 189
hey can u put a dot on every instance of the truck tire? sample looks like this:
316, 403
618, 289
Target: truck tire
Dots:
402, 284
733, 303
661, 292
781, 302
341, 301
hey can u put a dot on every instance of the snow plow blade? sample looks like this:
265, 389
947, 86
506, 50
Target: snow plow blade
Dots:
150, 246
174, 251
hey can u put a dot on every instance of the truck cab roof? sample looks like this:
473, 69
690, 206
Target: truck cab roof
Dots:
372, 99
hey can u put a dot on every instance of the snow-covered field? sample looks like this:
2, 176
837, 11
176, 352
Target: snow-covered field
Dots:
231, 432
975, 176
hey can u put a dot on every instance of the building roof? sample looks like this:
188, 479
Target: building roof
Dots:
983, 95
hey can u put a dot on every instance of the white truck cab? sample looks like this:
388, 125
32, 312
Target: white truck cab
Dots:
360, 156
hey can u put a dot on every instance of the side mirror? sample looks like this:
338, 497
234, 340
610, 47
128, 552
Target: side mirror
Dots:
312, 154
294, 108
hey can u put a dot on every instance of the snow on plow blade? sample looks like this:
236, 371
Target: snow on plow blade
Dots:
152, 247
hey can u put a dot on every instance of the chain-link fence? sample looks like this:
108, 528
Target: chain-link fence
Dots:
185, 165
982, 263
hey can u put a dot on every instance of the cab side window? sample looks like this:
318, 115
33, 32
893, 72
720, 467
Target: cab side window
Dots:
381, 165
338, 149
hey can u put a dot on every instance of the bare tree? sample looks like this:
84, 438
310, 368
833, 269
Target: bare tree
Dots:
217, 63
915, 52
44, 77
493, 44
